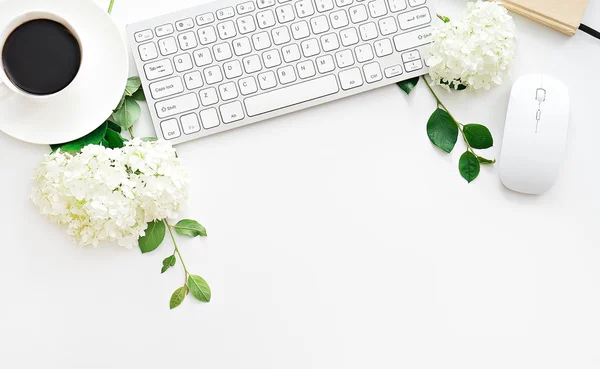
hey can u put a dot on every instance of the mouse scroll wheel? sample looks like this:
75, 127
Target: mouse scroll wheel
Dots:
540, 95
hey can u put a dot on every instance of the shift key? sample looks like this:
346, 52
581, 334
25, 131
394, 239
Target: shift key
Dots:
177, 105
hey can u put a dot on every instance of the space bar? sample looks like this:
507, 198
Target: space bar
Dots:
292, 95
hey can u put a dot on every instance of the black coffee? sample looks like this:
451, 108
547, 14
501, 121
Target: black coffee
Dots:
41, 57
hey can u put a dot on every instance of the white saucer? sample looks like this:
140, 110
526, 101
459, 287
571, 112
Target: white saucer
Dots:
89, 100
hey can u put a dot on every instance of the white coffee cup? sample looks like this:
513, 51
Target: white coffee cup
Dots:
7, 87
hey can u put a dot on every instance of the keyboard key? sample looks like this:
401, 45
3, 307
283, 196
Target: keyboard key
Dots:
413, 65
170, 129
414, 3
207, 35
241, 46
252, 64
372, 72
383, 47
300, 30
394, 71
244, 8
193, 80
225, 13
226, 30
183, 62
291, 53
413, 39
177, 105
285, 13
387, 26
158, 69
184, 24
351, 78
267, 80
232, 112
205, 18
213, 74
338, 19
209, 118
324, 5
344, 58
410, 56
306, 69
246, 24
190, 123
281, 35
358, 13
202, 57
187, 40
397, 5
349, 37
167, 87
377, 8
304, 8
167, 46
265, 3
319, 24
325, 64
330, 42
271, 58
208, 97
341, 3
228, 91
363, 53
247, 85
265, 18
310, 47
291, 95
233, 69
414, 18
368, 31
148, 51
143, 35
165, 29
222, 51
287, 74
261, 41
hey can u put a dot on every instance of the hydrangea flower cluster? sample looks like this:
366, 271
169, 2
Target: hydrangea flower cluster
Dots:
477, 51
104, 194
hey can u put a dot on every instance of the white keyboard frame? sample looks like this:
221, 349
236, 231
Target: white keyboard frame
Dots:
387, 61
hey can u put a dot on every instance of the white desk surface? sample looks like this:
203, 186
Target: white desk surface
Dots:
339, 237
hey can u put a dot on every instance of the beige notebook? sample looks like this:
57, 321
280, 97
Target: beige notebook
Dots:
562, 15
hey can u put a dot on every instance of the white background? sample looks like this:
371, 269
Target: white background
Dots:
339, 237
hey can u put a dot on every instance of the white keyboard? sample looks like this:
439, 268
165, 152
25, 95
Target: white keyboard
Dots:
229, 63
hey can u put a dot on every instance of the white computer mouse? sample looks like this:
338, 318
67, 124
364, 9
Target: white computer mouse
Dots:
535, 134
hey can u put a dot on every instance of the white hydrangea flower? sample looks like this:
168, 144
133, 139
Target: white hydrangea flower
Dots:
105, 194
477, 50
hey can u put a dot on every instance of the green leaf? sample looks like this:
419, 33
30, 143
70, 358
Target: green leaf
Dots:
133, 84
93, 138
177, 297
167, 263
155, 234
442, 130
453, 85
483, 160
139, 95
468, 165
121, 102
149, 139
113, 139
408, 85
478, 136
443, 18
104, 143
191, 228
199, 288
113, 126
128, 114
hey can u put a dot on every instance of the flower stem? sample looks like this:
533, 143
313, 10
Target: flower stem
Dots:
440, 103
110, 6
169, 227
130, 129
